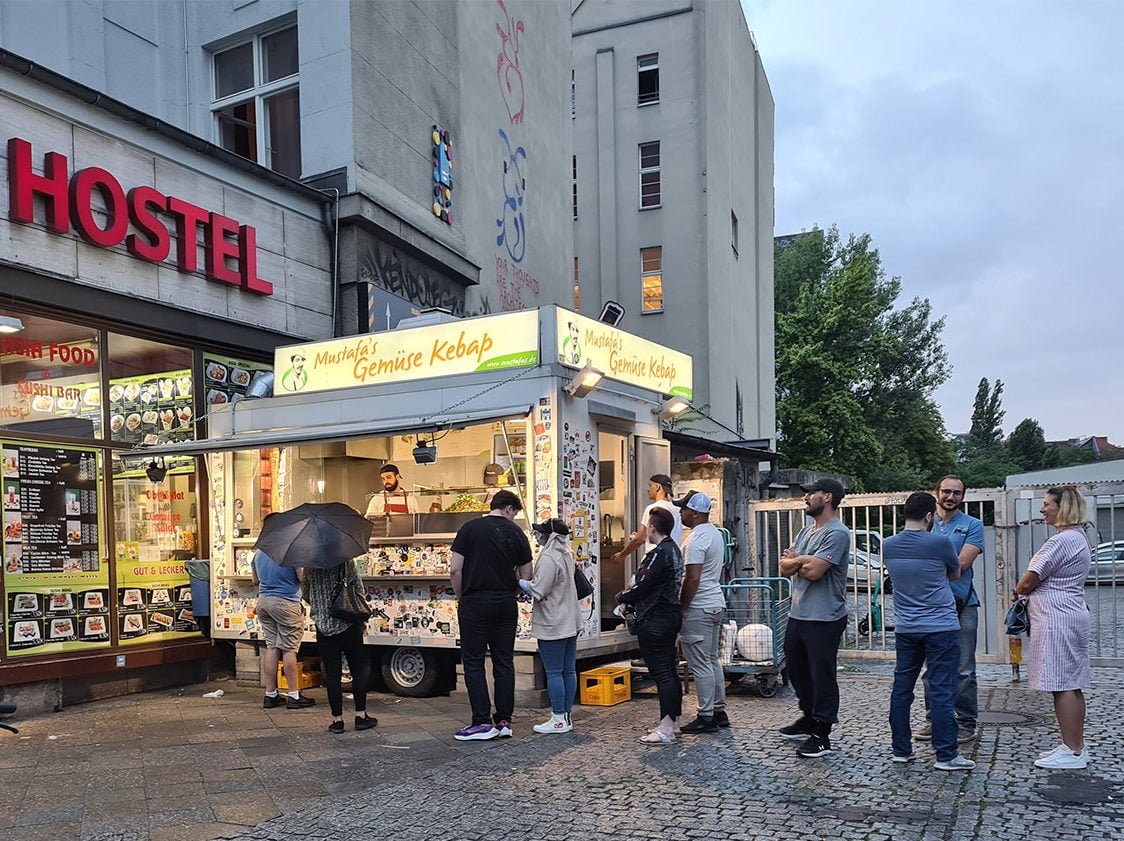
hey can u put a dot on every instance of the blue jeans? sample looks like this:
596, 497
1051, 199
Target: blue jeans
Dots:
939, 652
967, 691
559, 658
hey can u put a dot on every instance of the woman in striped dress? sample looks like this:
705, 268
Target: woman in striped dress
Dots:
1059, 623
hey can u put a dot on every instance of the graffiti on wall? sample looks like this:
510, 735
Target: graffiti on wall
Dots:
442, 175
390, 269
512, 226
508, 74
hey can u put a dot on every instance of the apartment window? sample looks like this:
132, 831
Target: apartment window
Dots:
574, 184
650, 175
648, 79
577, 287
257, 101
651, 279
734, 231
573, 96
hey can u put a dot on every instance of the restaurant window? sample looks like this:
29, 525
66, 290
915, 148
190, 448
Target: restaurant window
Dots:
257, 101
150, 392
648, 79
50, 377
650, 175
577, 287
651, 279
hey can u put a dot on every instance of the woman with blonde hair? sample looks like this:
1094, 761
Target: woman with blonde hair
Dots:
1059, 622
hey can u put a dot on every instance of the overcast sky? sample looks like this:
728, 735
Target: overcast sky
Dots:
981, 144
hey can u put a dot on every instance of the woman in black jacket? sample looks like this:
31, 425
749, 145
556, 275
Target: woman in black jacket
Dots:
655, 600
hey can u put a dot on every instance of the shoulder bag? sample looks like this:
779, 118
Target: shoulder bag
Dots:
581, 584
1018, 619
349, 601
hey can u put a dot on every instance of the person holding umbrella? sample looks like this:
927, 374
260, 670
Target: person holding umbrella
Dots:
324, 539
282, 624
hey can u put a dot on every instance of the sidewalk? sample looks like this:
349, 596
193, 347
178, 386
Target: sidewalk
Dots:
172, 765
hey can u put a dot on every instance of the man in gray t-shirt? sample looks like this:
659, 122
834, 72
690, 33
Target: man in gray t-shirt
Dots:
704, 611
817, 560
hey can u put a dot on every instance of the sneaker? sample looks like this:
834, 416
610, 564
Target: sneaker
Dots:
336, 727
907, 758
814, 746
966, 734
365, 722
476, 733
503, 726
301, 703
957, 763
1064, 759
925, 733
1044, 753
555, 724
797, 731
721, 719
700, 725
269, 703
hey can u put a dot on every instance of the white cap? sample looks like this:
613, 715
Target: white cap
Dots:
696, 501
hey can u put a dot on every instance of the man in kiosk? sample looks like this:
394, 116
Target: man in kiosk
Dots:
394, 499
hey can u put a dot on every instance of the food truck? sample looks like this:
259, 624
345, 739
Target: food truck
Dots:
559, 408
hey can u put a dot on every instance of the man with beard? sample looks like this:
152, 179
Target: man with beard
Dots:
967, 537
394, 499
817, 560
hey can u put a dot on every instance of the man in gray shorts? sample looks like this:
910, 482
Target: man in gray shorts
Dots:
282, 623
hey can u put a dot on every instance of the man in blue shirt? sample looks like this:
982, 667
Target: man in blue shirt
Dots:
967, 537
281, 618
921, 564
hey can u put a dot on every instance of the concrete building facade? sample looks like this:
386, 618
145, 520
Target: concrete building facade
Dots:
673, 203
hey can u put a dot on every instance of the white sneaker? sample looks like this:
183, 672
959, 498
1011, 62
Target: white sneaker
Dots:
1044, 753
957, 763
556, 724
1064, 759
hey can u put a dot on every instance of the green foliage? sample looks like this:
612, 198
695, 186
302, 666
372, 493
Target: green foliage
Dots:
855, 376
1026, 446
989, 470
986, 433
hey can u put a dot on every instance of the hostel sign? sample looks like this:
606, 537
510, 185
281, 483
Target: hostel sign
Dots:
491, 343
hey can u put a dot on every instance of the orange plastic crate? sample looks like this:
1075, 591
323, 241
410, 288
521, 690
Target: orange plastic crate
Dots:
606, 686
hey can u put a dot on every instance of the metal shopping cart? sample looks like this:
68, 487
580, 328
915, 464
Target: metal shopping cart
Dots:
753, 634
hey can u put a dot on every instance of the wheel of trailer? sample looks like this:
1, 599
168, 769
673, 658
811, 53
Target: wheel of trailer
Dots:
409, 671
767, 685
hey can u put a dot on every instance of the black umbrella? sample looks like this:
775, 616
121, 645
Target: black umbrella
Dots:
318, 535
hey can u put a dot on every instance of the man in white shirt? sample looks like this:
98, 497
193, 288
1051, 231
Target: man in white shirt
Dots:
394, 499
704, 610
659, 490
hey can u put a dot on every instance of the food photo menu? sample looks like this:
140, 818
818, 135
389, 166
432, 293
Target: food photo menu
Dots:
226, 379
152, 409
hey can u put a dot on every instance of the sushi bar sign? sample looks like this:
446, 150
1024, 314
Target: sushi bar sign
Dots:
69, 201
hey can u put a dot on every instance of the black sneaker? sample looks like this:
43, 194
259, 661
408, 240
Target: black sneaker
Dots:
721, 719
797, 731
335, 728
300, 703
814, 746
700, 725
268, 703
365, 722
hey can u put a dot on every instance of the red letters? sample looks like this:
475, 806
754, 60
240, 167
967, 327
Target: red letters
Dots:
70, 201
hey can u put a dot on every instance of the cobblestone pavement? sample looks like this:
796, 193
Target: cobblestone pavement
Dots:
171, 765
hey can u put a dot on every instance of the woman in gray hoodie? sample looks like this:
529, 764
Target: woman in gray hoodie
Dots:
555, 620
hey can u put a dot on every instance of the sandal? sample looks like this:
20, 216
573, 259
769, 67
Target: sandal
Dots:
657, 737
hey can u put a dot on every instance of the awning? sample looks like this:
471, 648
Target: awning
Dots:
329, 432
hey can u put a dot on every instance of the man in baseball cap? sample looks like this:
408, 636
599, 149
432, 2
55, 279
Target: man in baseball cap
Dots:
704, 611
829, 486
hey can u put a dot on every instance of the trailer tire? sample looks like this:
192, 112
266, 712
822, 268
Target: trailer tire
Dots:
409, 672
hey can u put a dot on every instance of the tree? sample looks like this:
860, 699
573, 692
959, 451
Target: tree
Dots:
1026, 445
855, 376
986, 433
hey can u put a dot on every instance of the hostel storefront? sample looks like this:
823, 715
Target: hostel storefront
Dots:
461, 409
142, 284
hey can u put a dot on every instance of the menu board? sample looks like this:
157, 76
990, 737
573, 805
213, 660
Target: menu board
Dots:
153, 599
152, 409
56, 588
226, 379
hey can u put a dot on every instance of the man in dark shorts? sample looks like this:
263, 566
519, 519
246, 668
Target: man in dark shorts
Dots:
490, 555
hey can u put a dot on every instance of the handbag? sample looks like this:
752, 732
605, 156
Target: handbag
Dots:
349, 601
581, 584
1018, 619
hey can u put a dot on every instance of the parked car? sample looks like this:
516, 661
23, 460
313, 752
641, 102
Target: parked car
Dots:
1108, 564
866, 559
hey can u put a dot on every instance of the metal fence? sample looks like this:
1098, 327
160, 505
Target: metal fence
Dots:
1013, 532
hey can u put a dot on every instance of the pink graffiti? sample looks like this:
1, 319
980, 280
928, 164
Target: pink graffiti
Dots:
508, 74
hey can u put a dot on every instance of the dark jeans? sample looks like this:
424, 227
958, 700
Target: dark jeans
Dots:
811, 650
967, 702
656, 637
940, 653
559, 659
332, 648
487, 622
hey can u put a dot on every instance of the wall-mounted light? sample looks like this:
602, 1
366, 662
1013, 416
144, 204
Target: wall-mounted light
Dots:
156, 470
671, 407
425, 453
9, 324
587, 379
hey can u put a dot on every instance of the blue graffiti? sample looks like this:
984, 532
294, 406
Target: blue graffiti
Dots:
512, 227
